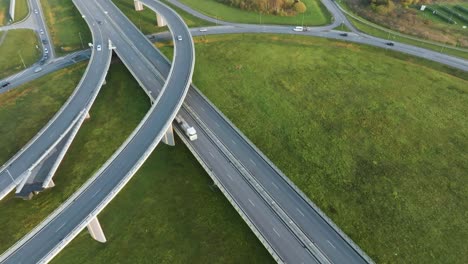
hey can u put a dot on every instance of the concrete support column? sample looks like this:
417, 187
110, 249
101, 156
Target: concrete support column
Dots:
169, 137
160, 20
138, 5
50, 184
95, 230
12, 9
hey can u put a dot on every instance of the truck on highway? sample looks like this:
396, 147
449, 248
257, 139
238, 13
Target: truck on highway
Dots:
188, 130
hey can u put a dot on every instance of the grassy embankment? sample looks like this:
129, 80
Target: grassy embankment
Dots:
19, 43
394, 36
21, 11
171, 212
65, 25
315, 15
377, 139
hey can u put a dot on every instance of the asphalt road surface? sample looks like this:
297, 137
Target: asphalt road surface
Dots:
107, 182
17, 167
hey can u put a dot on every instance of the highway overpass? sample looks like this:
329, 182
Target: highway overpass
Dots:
82, 208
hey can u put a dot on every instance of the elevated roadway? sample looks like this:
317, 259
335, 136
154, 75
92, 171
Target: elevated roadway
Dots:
214, 143
57, 231
29, 157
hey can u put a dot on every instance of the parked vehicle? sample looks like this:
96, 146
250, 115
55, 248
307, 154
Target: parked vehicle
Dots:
189, 131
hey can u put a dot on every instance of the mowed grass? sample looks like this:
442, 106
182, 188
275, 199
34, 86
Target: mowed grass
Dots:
315, 15
65, 26
18, 43
377, 139
169, 213
172, 213
4, 5
21, 9
26, 109
116, 112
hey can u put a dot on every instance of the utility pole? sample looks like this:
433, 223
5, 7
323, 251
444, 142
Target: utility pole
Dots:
82, 46
21, 57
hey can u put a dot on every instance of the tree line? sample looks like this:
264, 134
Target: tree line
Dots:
275, 7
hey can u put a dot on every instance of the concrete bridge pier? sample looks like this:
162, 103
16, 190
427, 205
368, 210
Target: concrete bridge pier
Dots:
160, 20
138, 5
12, 9
169, 136
95, 230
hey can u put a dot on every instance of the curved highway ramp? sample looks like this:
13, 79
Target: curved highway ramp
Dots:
46, 240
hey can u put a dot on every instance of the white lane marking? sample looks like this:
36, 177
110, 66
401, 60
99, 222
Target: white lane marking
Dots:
211, 154
96, 193
253, 162
331, 244
60, 227
217, 124
203, 109
233, 142
275, 185
252, 203
276, 232
229, 175
300, 211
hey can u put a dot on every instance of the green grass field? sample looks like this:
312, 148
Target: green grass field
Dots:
179, 217
4, 4
21, 10
315, 15
23, 112
65, 26
172, 215
18, 43
377, 139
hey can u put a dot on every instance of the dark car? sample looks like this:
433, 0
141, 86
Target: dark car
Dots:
5, 84
390, 44
344, 34
99, 22
44, 41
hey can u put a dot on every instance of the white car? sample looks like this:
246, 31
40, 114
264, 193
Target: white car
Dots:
203, 30
42, 31
46, 50
36, 12
298, 29
179, 37
98, 48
